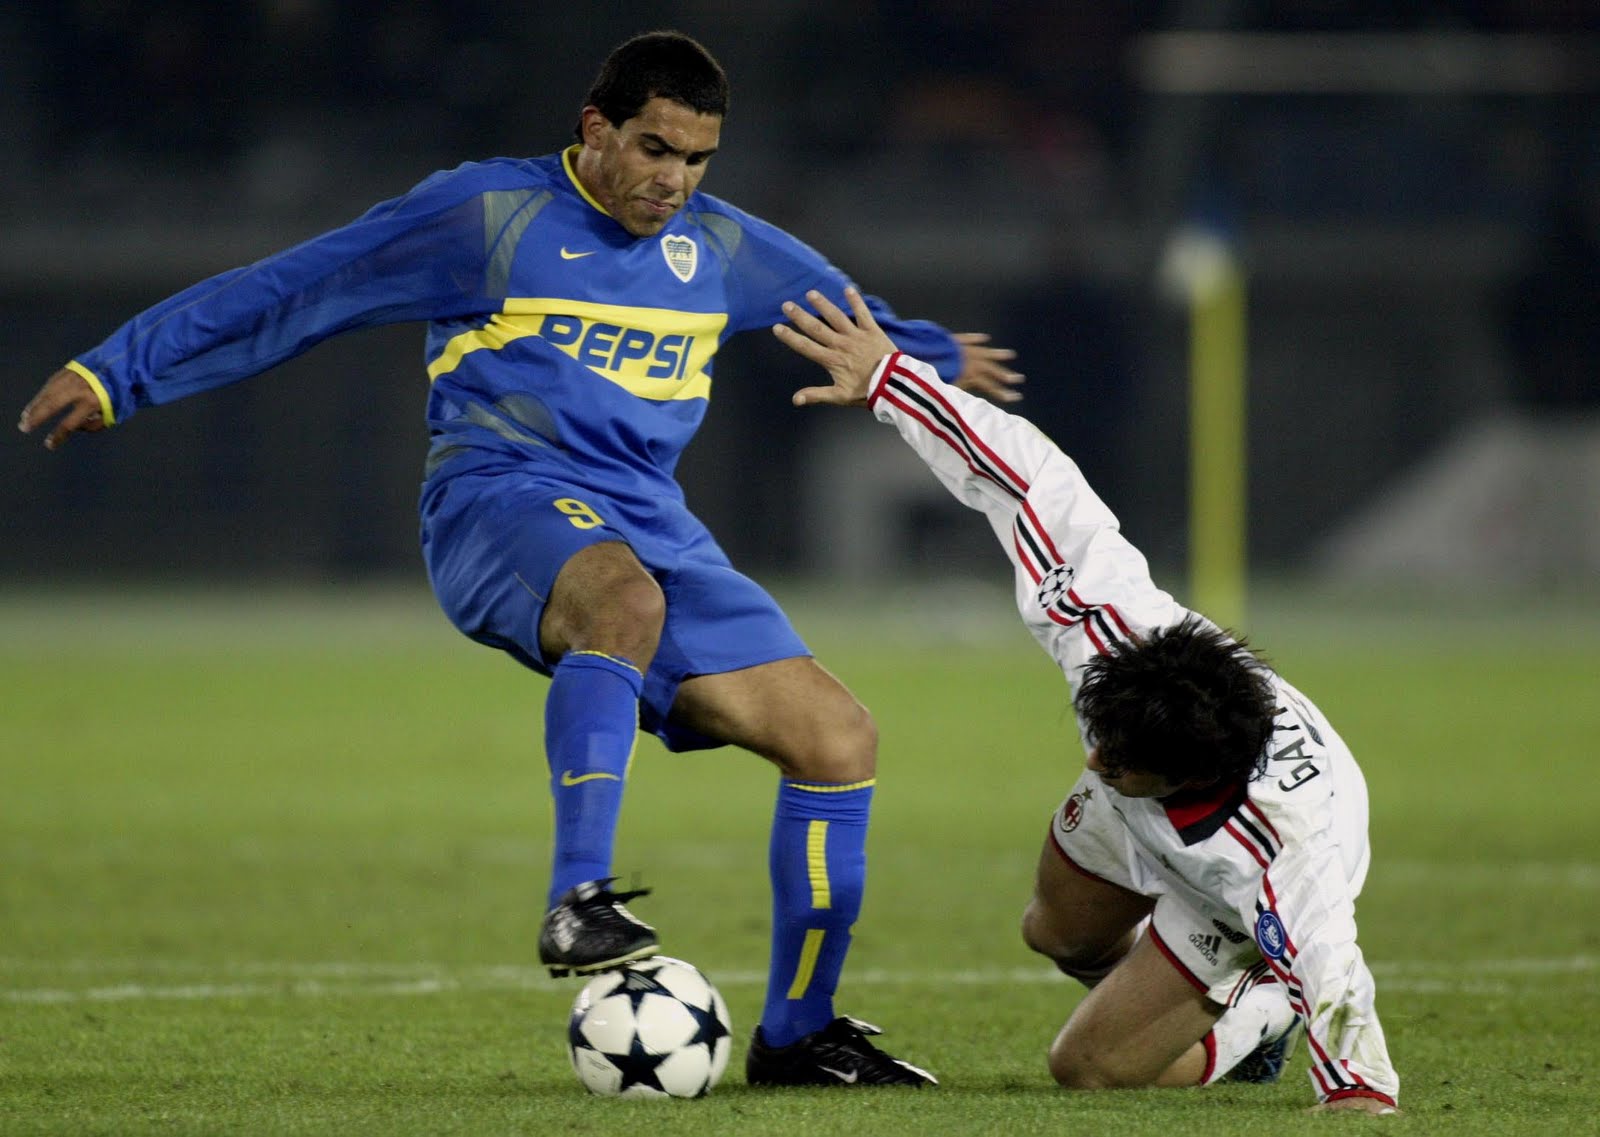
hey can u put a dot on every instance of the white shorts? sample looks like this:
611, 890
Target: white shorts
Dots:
1204, 942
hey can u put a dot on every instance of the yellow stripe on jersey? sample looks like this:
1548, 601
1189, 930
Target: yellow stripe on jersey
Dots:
654, 353
808, 962
817, 864
99, 389
569, 163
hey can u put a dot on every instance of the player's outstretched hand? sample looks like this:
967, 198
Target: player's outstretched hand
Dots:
984, 371
848, 351
67, 394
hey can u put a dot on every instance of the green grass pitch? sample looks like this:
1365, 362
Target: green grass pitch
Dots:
273, 864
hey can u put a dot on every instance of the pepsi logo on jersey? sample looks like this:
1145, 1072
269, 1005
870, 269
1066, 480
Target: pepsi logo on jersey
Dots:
612, 347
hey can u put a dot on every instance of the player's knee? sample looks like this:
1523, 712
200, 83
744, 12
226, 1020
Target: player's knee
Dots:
637, 602
843, 749
627, 622
618, 609
1046, 934
1075, 1070
1077, 1064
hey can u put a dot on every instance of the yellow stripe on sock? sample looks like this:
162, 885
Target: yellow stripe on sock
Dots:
830, 787
613, 658
808, 962
817, 864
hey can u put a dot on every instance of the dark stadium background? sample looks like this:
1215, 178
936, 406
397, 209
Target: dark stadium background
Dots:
1421, 234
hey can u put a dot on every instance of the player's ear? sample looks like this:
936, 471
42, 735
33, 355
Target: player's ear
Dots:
594, 126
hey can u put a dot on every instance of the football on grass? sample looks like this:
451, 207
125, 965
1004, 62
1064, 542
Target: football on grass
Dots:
656, 1028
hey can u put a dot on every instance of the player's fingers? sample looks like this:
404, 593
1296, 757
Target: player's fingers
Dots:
809, 324
40, 409
972, 337
829, 311
79, 418
997, 354
63, 391
800, 343
994, 369
859, 309
823, 396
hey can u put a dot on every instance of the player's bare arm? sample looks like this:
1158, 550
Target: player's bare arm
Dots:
67, 394
848, 351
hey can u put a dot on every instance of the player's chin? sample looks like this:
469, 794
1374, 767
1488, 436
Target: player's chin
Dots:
642, 228
647, 222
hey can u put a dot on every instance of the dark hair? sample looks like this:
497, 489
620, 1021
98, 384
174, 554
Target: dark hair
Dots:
1190, 702
664, 65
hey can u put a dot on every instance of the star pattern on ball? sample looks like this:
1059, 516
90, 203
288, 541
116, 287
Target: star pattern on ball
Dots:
656, 1027
637, 984
709, 1027
638, 1067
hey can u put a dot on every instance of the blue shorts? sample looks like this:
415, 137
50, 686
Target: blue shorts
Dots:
493, 544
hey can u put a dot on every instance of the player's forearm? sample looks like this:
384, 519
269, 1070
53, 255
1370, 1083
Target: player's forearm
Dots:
381, 268
986, 457
1305, 927
1080, 584
129, 365
1348, 1052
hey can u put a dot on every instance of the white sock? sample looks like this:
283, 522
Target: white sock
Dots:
1263, 1013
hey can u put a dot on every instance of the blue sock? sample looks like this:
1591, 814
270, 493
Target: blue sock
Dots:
818, 861
591, 721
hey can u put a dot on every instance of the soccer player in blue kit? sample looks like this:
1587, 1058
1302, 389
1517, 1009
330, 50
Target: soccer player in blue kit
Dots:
574, 303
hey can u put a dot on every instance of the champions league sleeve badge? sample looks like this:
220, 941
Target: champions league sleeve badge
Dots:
682, 255
1055, 584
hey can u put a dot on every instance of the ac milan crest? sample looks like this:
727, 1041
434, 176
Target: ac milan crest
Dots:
1072, 811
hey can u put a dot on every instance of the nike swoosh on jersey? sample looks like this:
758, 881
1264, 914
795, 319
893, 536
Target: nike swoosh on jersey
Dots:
566, 256
568, 778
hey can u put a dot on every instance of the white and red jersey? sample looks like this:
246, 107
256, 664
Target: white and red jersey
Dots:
1282, 857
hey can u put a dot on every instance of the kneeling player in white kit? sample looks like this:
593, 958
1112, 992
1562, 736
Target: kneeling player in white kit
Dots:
1200, 878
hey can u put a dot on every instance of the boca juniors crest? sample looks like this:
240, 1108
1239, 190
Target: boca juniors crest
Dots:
682, 256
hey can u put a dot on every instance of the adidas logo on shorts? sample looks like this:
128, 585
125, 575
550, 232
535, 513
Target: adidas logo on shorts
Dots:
1208, 945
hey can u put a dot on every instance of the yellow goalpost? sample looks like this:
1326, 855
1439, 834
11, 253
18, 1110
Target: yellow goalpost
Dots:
1212, 283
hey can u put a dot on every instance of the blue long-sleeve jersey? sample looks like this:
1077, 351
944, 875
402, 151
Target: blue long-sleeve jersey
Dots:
555, 337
